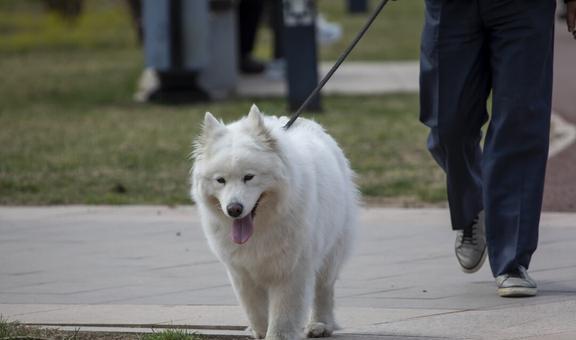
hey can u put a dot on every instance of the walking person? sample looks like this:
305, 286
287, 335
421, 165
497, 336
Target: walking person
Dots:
471, 48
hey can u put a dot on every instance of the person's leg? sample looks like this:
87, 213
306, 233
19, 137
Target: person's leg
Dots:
516, 146
249, 17
454, 85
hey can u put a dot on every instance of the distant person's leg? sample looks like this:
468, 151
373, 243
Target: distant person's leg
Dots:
249, 17
562, 10
135, 7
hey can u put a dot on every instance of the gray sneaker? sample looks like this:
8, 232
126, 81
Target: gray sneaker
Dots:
516, 284
470, 246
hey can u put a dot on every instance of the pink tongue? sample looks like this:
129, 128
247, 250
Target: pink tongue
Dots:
242, 229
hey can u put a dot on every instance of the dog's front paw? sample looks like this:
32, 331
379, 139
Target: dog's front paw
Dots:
256, 334
319, 330
283, 336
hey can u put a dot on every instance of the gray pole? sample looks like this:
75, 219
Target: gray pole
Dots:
300, 52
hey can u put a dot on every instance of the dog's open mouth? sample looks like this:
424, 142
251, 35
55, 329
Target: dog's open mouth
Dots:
242, 228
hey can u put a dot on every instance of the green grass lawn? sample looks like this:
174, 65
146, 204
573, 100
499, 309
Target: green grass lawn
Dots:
11, 330
394, 35
70, 132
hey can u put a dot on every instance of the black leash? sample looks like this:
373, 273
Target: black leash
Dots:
337, 64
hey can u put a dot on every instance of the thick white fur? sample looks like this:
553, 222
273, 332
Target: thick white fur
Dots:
304, 222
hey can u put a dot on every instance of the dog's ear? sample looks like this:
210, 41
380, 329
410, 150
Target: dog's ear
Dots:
211, 128
254, 112
259, 129
211, 124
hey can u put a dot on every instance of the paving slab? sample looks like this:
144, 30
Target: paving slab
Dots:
150, 265
560, 188
198, 317
352, 78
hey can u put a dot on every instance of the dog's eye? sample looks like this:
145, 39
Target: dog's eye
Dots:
221, 180
248, 177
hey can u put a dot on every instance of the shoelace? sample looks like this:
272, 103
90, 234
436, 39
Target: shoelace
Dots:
469, 236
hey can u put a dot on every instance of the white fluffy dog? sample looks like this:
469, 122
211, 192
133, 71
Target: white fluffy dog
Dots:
278, 208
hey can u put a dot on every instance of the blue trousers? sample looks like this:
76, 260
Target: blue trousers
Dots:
471, 48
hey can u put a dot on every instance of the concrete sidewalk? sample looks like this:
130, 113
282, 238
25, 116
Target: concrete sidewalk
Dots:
352, 78
135, 267
560, 187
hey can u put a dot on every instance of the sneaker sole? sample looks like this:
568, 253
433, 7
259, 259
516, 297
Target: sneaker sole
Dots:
517, 292
477, 266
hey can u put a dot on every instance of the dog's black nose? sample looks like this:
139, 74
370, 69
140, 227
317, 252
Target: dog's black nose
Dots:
234, 209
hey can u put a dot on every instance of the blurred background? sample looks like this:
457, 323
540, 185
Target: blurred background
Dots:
95, 111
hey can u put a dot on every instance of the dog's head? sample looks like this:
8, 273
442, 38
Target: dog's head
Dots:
238, 171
